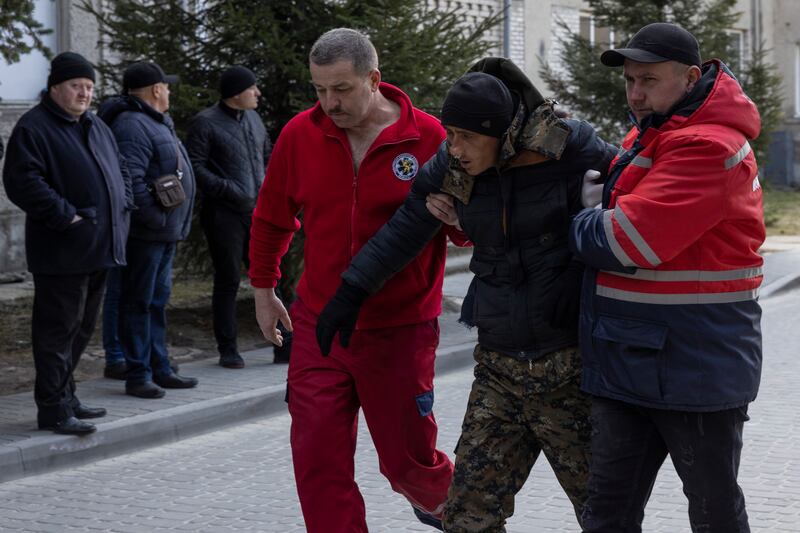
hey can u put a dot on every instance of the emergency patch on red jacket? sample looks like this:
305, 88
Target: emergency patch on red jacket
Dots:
405, 166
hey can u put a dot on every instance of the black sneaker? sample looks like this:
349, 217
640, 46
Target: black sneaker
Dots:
428, 519
231, 360
115, 370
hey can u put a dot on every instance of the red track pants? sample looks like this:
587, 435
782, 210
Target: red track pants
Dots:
389, 374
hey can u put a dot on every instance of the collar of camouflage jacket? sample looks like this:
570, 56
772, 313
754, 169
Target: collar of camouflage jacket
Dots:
538, 131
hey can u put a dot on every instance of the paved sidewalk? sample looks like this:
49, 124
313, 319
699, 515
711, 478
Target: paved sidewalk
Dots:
224, 397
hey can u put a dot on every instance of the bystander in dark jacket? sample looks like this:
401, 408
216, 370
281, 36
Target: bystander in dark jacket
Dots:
132, 118
148, 142
63, 169
229, 148
133, 121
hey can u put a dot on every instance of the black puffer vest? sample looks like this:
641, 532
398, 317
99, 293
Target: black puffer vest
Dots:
518, 219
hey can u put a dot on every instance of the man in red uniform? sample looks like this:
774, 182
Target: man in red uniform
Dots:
348, 164
670, 320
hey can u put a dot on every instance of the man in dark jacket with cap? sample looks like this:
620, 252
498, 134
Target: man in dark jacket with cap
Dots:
229, 148
63, 169
670, 320
513, 171
148, 142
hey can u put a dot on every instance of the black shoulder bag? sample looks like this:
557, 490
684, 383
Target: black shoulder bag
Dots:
167, 189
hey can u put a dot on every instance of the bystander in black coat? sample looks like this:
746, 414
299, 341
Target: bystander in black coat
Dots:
151, 148
64, 171
58, 166
230, 148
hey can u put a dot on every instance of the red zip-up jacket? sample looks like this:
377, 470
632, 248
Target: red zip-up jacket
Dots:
670, 316
311, 170
686, 211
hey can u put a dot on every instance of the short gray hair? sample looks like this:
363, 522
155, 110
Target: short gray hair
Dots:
348, 44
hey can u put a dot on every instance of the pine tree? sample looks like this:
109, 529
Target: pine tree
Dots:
762, 83
20, 33
596, 93
421, 50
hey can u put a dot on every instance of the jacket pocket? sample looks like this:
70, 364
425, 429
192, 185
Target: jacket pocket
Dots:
87, 212
77, 245
631, 352
490, 301
150, 216
84, 231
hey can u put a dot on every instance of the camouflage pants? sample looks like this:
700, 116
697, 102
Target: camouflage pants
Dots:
516, 410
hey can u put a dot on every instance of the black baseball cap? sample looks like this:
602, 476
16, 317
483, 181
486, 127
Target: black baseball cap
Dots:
145, 74
655, 43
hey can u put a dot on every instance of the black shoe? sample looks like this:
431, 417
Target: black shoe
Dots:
280, 354
147, 389
71, 426
428, 519
115, 370
89, 412
231, 360
174, 381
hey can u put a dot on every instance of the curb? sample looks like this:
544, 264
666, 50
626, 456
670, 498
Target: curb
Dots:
49, 452
781, 285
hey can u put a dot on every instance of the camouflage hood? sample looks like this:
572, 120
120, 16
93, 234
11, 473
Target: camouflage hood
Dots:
535, 126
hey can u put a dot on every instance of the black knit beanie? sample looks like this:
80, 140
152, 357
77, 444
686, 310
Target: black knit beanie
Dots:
68, 65
480, 103
235, 80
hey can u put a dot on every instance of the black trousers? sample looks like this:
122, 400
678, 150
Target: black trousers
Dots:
629, 445
228, 236
64, 314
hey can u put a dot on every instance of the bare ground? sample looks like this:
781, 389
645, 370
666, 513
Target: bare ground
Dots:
782, 211
189, 333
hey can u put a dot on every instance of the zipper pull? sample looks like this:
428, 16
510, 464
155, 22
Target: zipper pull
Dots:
530, 364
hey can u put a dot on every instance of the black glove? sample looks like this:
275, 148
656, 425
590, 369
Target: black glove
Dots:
340, 315
562, 302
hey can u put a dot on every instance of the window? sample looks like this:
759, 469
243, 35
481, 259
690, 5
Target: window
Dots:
797, 80
22, 81
599, 36
735, 51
